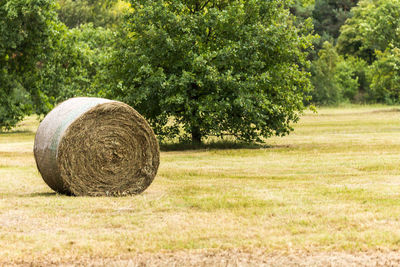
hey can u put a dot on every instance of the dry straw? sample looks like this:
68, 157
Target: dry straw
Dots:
94, 146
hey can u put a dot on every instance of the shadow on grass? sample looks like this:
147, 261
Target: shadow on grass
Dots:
212, 145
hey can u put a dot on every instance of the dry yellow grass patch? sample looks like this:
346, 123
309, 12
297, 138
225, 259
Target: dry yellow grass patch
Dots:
333, 186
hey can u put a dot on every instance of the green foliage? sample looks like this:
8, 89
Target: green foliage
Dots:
336, 79
25, 35
103, 13
384, 74
350, 76
213, 67
372, 28
374, 25
14, 102
301, 9
346, 81
74, 66
329, 16
326, 90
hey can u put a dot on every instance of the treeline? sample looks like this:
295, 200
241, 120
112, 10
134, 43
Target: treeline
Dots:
242, 68
356, 57
193, 68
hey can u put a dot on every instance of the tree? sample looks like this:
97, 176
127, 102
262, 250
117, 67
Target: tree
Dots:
25, 34
326, 90
74, 66
330, 15
384, 74
302, 9
213, 67
349, 77
337, 79
374, 25
103, 13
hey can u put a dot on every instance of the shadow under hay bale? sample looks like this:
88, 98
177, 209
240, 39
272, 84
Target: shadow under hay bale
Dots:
96, 147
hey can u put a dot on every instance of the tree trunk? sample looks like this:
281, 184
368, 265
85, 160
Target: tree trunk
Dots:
195, 129
196, 135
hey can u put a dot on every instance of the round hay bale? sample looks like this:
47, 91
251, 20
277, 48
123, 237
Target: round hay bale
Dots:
95, 146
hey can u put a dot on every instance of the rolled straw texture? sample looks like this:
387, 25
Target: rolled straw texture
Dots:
95, 146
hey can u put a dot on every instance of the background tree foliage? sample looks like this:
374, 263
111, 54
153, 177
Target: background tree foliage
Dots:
76, 65
43, 62
105, 13
363, 36
213, 67
385, 76
327, 17
326, 90
26, 30
374, 25
336, 78
372, 36
330, 15
196, 68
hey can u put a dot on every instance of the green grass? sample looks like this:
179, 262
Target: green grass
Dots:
332, 185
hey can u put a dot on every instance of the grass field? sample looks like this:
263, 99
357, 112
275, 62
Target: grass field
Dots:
331, 189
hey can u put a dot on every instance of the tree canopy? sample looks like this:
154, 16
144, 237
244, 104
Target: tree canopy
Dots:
26, 29
373, 26
213, 67
196, 68
103, 13
330, 15
74, 66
